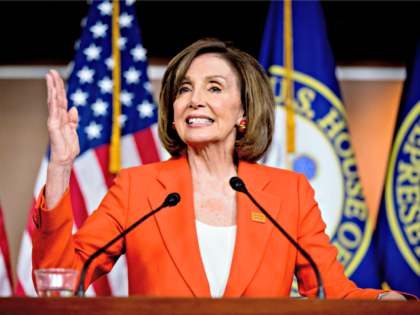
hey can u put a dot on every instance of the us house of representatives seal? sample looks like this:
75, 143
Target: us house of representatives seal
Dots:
402, 189
325, 155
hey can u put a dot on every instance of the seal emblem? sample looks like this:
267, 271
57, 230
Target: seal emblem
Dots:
402, 190
325, 155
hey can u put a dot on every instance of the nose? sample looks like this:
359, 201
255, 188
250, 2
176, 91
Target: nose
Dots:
197, 99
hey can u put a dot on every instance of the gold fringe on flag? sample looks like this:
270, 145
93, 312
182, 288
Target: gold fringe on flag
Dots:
385, 286
288, 62
114, 149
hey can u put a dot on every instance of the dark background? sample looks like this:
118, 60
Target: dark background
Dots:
374, 32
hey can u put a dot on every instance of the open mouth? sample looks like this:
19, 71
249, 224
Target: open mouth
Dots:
199, 121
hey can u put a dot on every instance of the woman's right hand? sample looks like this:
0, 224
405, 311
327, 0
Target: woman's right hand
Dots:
64, 141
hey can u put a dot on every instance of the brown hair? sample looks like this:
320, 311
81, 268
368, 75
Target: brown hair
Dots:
256, 97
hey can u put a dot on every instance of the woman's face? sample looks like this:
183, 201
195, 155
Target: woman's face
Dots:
208, 104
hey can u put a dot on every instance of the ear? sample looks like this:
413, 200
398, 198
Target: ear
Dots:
241, 115
240, 119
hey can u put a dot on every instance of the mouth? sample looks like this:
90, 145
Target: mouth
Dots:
199, 121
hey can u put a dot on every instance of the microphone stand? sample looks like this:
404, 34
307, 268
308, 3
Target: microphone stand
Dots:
237, 184
170, 201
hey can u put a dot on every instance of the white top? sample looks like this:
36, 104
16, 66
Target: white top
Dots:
216, 248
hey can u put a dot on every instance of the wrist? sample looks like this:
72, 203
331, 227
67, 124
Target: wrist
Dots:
63, 166
58, 180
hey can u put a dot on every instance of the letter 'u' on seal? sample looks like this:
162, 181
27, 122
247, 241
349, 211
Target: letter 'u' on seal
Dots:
258, 217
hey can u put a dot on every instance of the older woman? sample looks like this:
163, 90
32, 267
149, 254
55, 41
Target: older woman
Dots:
216, 119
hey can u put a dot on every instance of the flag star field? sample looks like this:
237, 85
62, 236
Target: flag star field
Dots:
94, 63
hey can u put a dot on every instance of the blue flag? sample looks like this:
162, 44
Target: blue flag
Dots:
296, 49
397, 236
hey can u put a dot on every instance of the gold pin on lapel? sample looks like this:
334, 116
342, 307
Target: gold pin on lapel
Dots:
258, 217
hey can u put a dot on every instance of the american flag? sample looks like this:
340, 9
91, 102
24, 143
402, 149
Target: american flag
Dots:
91, 90
5, 270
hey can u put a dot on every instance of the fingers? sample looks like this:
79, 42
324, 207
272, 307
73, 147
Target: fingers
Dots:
58, 83
50, 85
393, 296
73, 117
53, 108
61, 92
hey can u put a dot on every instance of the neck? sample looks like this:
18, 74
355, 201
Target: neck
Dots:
213, 160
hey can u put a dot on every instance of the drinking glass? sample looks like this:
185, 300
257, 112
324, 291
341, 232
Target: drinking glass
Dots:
56, 282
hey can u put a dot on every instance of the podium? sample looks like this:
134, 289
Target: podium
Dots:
163, 306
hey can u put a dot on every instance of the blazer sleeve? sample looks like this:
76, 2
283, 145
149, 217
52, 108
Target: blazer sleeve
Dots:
312, 238
54, 246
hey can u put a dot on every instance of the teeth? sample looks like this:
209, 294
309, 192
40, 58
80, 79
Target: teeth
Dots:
199, 121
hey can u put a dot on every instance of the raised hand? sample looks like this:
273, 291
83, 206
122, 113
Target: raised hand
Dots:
392, 296
61, 124
64, 141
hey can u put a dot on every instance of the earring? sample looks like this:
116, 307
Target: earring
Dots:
173, 125
242, 126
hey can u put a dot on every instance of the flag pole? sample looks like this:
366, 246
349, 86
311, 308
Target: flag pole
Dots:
288, 62
114, 149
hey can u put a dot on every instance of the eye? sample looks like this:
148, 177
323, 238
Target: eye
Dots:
184, 89
215, 89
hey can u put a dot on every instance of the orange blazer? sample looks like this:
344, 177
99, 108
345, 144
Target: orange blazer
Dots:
163, 254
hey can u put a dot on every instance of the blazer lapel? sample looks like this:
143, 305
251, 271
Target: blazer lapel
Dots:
177, 225
251, 237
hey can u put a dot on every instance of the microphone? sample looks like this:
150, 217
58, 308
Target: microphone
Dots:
170, 201
237, 184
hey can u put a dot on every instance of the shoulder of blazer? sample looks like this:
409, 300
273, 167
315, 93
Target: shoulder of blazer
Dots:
287, 185
277, 176
149, 170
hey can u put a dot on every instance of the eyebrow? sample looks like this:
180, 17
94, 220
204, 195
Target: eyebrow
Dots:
216, 76
208, 77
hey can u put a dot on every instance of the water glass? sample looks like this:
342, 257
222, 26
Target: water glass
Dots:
57, 282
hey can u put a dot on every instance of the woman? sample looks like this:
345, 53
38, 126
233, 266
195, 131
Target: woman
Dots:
216, 119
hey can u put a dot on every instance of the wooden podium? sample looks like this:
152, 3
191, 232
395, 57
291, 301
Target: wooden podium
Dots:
163, 306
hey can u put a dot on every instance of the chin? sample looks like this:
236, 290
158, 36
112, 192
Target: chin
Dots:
198, 137
198, 142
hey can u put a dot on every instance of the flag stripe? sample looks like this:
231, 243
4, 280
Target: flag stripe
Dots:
90, 178
163, 154
118, 277
5, 268
146, 146
130, 153
90, 292
5, 276
102, 154
19, 288
102, 287
41, 178
77, 201
24, 267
